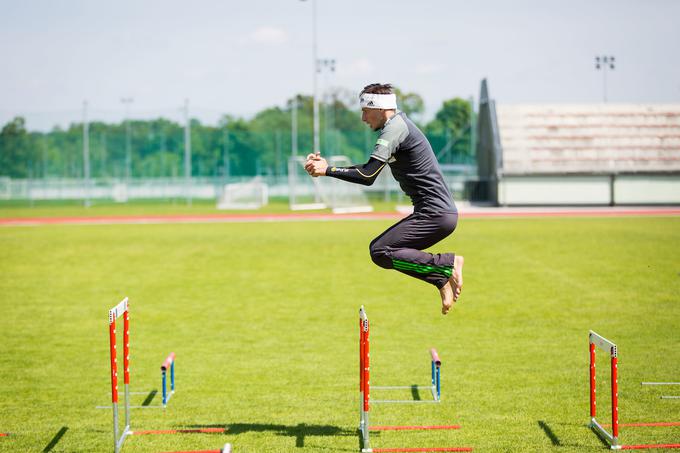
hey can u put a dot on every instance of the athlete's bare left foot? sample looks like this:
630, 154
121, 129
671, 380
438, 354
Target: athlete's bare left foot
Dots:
448, 298
456, 279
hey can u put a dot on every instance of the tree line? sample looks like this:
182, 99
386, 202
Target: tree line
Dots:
234, 147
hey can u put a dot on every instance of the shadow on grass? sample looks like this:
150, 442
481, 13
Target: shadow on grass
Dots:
55, 440
149, 398
600, 437
549, 432
299, 432
415, 393
555, 440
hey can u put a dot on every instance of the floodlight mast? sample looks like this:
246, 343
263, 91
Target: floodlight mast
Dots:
603, 63
316, 70
86, 155
128, 146
187, 151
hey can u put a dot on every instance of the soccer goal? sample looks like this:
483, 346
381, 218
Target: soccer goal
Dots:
307, 193
346, 197
251, 194
304, 192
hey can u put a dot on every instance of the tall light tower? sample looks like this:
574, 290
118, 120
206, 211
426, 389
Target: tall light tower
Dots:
187, 151
294, 126
604, 63
316, 69
128, 145
86, 155
327, 65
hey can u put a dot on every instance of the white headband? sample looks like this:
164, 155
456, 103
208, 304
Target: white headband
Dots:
378, 101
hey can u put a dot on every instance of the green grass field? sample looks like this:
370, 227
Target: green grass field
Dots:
263, 319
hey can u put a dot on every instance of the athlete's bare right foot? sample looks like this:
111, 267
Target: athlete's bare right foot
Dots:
447, 295
456, 278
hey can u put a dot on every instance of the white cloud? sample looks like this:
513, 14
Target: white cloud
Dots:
271, 36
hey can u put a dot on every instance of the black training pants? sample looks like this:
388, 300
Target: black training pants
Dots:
400, 247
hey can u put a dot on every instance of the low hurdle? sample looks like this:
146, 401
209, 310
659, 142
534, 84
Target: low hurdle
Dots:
597, 341
664, 397
169, 363
434, 387
123, 309
365, 400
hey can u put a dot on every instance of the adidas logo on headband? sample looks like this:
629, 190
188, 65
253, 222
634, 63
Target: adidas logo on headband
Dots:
378, 101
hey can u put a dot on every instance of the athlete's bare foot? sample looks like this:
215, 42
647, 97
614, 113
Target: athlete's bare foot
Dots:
456, 278
446, 292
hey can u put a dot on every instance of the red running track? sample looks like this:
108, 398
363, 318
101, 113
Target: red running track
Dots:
297, 217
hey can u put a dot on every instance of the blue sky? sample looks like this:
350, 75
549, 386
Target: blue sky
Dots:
240, 57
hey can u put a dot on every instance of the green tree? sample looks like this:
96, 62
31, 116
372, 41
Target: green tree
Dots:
450, 132
453, 116
16, 154
410, 103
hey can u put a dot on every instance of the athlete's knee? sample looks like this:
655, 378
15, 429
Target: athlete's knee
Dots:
379, 255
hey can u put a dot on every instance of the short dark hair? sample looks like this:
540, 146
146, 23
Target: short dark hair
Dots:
377, 88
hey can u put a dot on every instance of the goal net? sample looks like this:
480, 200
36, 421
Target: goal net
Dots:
306, 192
251, 194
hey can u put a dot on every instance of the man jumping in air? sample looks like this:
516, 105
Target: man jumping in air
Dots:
403, 147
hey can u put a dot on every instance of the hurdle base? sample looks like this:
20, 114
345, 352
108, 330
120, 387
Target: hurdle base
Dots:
121, 439
167, 400
604, 434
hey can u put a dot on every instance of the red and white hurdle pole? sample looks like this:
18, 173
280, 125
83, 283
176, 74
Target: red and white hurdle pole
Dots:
126, 361
120, 310
593, 400
615, 393
364, 385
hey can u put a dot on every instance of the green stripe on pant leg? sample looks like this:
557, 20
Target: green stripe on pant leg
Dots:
421, 268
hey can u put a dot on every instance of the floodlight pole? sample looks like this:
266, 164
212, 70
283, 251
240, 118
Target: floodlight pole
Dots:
316, 70
326, 64
317, 147
187, 152
601, 63
128, 146
294, 126
86, 155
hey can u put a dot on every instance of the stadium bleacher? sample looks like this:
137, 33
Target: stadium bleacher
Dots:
578, 154
600, 138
